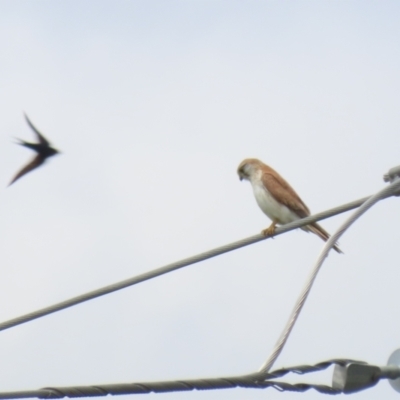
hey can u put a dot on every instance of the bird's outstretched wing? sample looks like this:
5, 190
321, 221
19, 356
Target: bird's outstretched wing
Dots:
41, 138
36, 162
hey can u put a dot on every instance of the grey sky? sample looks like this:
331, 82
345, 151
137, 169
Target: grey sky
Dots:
153, 105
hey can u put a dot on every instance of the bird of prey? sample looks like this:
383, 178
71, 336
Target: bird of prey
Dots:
42, 148
276, 198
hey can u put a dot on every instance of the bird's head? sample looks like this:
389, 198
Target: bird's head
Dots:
247, 168
53, 151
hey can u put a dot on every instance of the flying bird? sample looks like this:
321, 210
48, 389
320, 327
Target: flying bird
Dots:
276, 198
42, 148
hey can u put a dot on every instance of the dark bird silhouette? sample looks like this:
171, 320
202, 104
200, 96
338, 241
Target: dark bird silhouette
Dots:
42, 148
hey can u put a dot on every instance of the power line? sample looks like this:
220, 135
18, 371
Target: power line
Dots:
188, 385
176, 265
349, 376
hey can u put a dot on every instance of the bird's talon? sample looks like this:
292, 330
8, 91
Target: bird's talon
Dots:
270, 231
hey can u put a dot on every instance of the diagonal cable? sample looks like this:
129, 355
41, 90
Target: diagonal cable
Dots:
174, 266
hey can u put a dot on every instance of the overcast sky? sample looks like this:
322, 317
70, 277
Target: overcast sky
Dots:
153, 105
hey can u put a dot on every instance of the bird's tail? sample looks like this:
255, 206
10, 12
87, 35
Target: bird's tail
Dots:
322, 233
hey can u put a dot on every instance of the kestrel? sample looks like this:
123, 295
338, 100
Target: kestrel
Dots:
42, 148
276, 198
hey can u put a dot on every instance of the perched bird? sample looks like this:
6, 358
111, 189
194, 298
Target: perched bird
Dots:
276, 198
42, 148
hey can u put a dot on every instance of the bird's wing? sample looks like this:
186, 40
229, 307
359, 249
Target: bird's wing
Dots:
40, 137
38, 160
284, 193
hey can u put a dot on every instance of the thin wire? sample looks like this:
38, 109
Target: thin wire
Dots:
390, 190
161, 387
187, 385
174, 266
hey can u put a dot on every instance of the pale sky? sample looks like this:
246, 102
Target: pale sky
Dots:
153, 105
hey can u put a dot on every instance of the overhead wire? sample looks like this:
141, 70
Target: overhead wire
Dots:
188, 384
176, 265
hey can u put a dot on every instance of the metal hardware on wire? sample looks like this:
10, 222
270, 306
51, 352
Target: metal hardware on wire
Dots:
355, 377
392, 174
